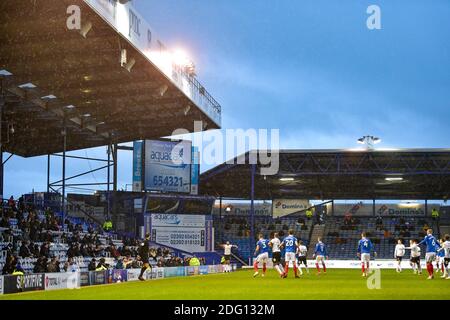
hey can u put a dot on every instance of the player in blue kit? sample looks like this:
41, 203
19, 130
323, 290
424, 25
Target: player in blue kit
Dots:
320, 253
262, 248
290, 245
365, 247
430, 255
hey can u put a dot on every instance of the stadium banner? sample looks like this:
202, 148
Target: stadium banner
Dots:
69, 280
183, 232
137, 166
155, 273
192, 270
133, 274
195, 170
1, 285
384, 209
175, 272
117, 275
28, 282
203, 269
85, 279
209, 236
283, 207
167, 166
356, 264
236, 209
98, 277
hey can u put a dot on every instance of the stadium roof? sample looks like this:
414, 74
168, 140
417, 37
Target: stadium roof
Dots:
49, 73
398, 174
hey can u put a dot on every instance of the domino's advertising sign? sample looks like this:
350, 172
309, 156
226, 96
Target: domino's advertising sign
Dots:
168, 166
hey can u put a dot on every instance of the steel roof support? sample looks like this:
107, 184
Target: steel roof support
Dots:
252, 206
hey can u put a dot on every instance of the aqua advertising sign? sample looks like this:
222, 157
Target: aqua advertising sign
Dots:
168, 166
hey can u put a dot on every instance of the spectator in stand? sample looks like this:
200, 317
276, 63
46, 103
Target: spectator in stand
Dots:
119, 264
12, 204
4, 223
45, 250
24, 251
53, 265
92, 265
379, 223
41, 265
9, 266
435, 214
102, 265
114, 252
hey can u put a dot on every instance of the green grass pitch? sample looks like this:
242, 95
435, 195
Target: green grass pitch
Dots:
336, 284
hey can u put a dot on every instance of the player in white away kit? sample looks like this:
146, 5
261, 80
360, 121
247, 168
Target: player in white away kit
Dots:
276, 254
227, 255
301, 257
445, 246
399, 253
414, 261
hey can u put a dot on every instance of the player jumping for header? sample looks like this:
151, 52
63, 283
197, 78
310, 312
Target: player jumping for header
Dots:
320, 253
262, 248
365, 247
430, 255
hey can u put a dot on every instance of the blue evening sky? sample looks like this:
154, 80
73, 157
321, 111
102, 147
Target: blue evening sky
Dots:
310, 68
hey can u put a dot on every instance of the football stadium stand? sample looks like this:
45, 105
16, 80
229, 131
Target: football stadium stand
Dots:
37, 241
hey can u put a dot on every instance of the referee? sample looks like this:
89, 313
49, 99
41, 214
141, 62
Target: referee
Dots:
144, 254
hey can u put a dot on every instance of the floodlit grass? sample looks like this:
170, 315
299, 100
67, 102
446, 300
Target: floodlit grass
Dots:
336, 284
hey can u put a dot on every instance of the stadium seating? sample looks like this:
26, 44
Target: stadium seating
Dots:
74, 230
341, 237
342, 240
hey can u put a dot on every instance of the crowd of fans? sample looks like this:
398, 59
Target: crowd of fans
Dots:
33, 235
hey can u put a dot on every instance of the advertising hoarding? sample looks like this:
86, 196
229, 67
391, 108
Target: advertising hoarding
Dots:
69, 280
283, 207
28, 282
168, 166
195, 170
183, 232
137, 166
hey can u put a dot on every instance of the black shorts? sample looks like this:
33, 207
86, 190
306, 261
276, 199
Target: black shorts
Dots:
302, 259
276, 257
227, 257
145, 260
446, 261
415, 260
399, 258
